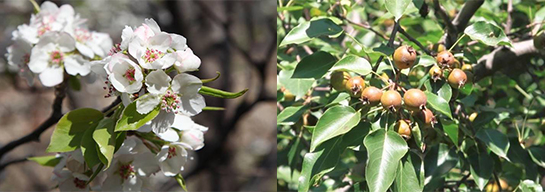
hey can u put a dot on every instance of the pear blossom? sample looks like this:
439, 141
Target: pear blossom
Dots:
51, 56
186, 60
19, 55
69, 172
172, 95
124, 74
132, 166
172, 159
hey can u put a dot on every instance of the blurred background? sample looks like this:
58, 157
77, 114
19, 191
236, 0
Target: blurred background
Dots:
235, 38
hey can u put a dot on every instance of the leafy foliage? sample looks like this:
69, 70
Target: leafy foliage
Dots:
484, 127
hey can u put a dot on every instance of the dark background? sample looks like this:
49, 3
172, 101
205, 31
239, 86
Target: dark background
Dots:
236, 38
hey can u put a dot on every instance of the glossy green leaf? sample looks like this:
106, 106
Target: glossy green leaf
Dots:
220, 93
311, 29
495, 141
132, 120
353, 63
407, 178
181, 182
487, 33
438, 161
89, 148
451, 129
537, 153
445, 92
320, 162
484, 118
384, 151
439, 104
397, 7
314, 66
336, 121
71, 127
481, 166
49, 160
290, 115
104, 137
298, 86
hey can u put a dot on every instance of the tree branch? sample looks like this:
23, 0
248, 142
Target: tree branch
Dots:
440, 11
3, 166
502, 57
60, 93
390, 44
402, 31
461, 20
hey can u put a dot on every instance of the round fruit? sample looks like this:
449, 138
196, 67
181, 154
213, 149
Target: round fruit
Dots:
371, 95
403, 128
391, 100
288, 96
415, 99
354, 86
457, 78
338, 80
445, 58
426, 116
404, 57
467, 67
435, 73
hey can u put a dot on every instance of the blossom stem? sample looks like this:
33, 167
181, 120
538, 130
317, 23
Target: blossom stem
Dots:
36, 7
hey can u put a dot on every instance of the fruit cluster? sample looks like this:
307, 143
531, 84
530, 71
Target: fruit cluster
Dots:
413, 100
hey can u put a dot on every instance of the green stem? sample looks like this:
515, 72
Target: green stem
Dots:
457, 41
213, 109
36, 7
211, 79
355, 40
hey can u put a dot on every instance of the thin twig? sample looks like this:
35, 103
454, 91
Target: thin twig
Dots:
390, 44
366, 27
439, 10
509, 21
402, 31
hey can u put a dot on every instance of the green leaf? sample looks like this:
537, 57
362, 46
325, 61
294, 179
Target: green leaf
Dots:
318, 163
95, 173
445, 92
397, 7
439, 104
407, 179
495, 140
384, 151
290, 8
484, 118
219, 93
104, 136
213, 109
132, 120
311, 29
298, 87
537, 153
49, 160
336, 121
69, 131
481, 166
295, 150
290, 115
437, 162
540, 15
314, 66
353, 63
487, 33
451, 129
74, 83
89, 149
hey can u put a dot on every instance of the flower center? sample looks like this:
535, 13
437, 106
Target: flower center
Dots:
115, 49
170, 102
152, 55
129, 74
171, 152
56, 57
26, 58
126, 170
79, 183
82, 35
44, 28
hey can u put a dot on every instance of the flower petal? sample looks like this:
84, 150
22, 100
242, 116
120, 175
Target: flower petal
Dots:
132, 184
169, 135
85, 50
145, 164
186, 84
183, 122
192, 139
51, 76
147, 103
187, 61
162, 122
192, 105
178, 42
157, 82
152, 25
39, 58
75, 64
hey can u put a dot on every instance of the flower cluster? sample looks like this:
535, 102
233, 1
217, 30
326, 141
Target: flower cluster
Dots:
137, 70
54, 42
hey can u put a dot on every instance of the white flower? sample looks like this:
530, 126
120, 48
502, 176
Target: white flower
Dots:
52, 18
172, 159
26, 33
51, 54
192, 134
149, 46
179, 94
69, 172
19, 55
132, 164
125, 75
90, 44
186, 61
